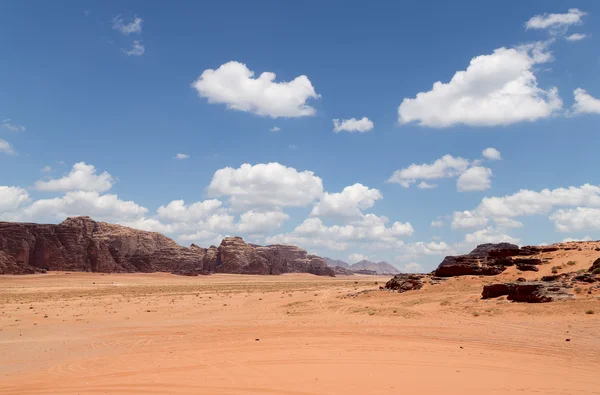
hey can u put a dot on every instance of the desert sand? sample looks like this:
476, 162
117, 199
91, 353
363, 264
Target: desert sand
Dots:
84, 333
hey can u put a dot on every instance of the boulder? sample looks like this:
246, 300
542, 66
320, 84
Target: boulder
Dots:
525, 267
465, 265
529, 292
405, 282
595, 266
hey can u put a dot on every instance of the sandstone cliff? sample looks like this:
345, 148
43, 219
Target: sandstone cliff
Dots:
82, 244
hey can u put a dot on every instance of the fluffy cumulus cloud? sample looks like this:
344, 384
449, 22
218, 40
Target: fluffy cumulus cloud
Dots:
556, 21
353, 125
476, 178
6, 148
234, 85
126, 28
491, 153
446, 166
178, 211
266, 185
136, 49
576, 37
100, 207
569, 239
411, 251
488, 235
346, 204
261, 221
13, 127
585, 103
576, 219
467, 219
504, 209
11, 198
82, 177
370, 230
496, 89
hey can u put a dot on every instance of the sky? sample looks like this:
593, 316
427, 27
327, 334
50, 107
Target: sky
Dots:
402, 132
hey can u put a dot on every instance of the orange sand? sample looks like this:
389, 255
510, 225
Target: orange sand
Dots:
86, 333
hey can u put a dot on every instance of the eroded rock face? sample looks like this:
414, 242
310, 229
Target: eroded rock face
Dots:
595, 266
490, 259
405, 282
529, 292
82, 244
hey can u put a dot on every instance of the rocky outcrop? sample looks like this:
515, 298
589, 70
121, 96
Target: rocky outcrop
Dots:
595, 268
336, 262
381, 267
529, 292
82, 244
405, 282
491, 259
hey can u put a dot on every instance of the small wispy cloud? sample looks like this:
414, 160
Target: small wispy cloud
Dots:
182, 156
137, 49
6, 148
135, 26
275, 129
13, 127
46, 169
576, 37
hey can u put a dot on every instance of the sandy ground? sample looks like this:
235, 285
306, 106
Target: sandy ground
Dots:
84, 333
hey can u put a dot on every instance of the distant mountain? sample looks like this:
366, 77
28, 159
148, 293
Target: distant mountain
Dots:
336, 262
382, 267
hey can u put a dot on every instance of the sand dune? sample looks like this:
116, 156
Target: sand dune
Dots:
85, 333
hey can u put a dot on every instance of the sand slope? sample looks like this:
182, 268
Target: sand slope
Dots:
162, 334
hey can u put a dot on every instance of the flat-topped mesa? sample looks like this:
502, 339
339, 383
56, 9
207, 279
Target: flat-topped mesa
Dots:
491, 259
82, 244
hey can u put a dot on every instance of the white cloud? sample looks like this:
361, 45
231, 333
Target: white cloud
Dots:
371, 230
476, 178
437, 223
178, 211
576, 37
352, 125
126, 28
46, 169
412, 251
496, 89
488, 235
353, 258
425, 185
503, 209
181, 156
491, 154
446, 166
6, 124
261, 221
348, 203
467, 219
585, 103
576, 219
6, 147
233, 84
11, 198
100, 207
266, 185
555, 21
137, 49
410, 267
82, 177
275, 129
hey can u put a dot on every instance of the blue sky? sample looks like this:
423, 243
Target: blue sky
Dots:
98, 98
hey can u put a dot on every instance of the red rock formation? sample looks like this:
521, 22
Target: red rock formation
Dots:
82, 244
